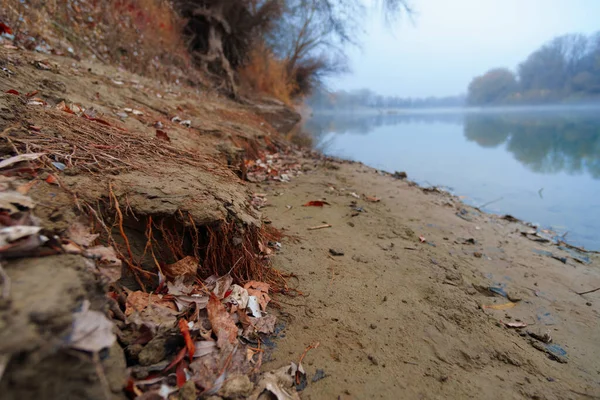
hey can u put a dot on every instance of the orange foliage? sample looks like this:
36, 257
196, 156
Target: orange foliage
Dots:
266, 74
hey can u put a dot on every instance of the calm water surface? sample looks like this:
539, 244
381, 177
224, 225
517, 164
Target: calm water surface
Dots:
539, 165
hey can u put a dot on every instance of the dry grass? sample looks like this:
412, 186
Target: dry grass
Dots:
266, 74
142, 36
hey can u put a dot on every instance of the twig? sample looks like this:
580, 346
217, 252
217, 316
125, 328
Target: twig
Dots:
589, 291
312, 346
313, 228
5, 283
491, 202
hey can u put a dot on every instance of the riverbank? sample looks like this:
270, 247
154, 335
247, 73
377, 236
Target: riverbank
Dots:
409, 308
391, 284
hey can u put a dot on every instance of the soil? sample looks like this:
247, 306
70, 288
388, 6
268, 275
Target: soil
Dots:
395, 316
399, 318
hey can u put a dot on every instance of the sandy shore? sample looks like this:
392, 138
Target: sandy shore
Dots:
397, 317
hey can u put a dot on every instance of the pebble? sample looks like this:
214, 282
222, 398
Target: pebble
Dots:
373, 326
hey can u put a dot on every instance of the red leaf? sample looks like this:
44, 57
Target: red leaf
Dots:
180, 373
316, 203
51, 179
185, 331
222, 324
5, 29
31, 94
12, 91
162, 135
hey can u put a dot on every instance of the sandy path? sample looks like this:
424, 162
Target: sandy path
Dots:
397, 318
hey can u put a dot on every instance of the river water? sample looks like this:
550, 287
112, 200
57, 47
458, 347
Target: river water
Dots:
540, 165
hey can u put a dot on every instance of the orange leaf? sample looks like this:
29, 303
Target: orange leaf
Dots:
31, 94
373, 199
51, 179
189, 343
12, 91
222, 324
316, 203
162, 135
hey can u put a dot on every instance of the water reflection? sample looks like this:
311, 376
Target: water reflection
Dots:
546, 142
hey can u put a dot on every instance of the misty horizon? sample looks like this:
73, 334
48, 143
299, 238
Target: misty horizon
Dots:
432, 55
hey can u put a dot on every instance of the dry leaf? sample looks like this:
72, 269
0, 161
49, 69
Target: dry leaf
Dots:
19, 158
13, 201
264, 324
221, 322
315, 203
279, 383
187, 266
222, 286
107, 261
138, 301
504, 306
81, 234
154, 317
259, 290
92, 331
12, 91
13, 233
162, 135
373, 199
204, 348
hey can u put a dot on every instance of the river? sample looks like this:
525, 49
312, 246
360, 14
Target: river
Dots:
540, 165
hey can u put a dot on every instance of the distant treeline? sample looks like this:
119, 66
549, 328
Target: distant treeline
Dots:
367, 99
564, 70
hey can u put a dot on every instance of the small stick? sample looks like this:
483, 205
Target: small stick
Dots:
312, 346
313, 228
589, 291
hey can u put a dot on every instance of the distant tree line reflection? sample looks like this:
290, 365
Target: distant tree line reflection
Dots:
545, 142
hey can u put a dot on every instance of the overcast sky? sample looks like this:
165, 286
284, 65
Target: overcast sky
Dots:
451, 41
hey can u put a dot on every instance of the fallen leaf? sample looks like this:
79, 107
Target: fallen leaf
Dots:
222, 323
422, 239
138, 301
238, 296
514, 324
19, 158
13, 233
185, 301
504, 306
162, 135
81, 234
205, 347
259, 290
107, 261
185, 332
279, 383
155, 317
187, 266
373, 199
92, 331
15, 202
12, 91
35, 128
31, 94
5, 29
315, 203
222, 286
52, 179
62, 106
264, 324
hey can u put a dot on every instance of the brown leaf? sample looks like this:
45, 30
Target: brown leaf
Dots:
316, 203
259, 290
81, 234
162, 135
106, 260
222, 286
186, 266
221, 322
92, 331
264, 324
14, 202
19, 158
373, 199
138, 300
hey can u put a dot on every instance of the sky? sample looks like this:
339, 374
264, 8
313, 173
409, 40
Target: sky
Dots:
449, 42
